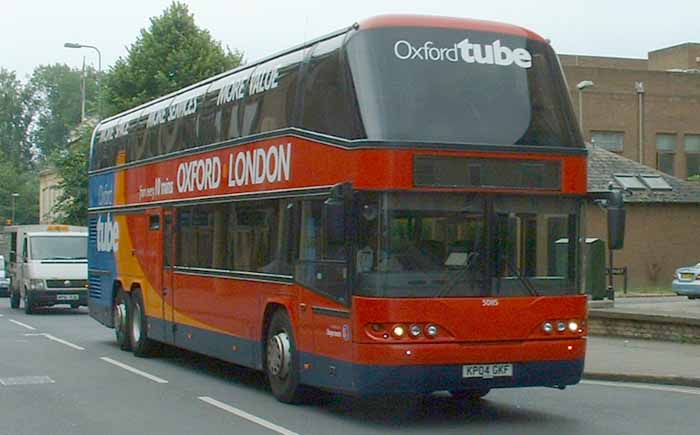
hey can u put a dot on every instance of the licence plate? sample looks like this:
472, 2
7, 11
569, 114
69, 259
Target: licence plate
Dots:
687, 276
487, 371
67, 297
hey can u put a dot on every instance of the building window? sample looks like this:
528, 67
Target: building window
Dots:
692, 154
609, 140
665, 152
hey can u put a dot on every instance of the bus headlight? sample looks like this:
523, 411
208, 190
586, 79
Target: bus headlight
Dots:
573, 325
416, 330
36, 284
547, 327
561, 326
431, 330
398, 331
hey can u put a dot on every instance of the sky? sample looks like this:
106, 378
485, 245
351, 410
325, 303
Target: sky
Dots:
32, 32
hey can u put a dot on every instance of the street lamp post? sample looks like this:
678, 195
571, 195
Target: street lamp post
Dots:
585, 84
99, 71
14, 200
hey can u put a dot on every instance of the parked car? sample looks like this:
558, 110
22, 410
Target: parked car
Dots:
686, 281
4, 279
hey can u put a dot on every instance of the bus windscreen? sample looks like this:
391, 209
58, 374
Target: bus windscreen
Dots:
460, 86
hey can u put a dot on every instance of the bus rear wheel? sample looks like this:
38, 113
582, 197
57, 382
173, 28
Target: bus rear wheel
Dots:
282, 359
141, 345
120, 312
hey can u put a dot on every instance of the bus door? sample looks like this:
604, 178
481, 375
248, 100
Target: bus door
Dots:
153, 269
323, 269
168, 289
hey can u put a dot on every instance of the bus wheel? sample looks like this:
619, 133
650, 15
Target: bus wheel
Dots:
282, 360
14, 299
141, 345
120, 312
469, 395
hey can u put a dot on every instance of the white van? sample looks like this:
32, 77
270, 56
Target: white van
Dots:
47, 265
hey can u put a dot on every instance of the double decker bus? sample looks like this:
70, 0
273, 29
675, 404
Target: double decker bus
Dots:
392, 208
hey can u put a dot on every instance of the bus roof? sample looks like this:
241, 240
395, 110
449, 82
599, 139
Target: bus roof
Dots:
392, 20
399, 20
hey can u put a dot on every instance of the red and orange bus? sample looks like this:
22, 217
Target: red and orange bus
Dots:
391, 208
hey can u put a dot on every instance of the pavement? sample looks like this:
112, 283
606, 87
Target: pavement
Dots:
646, 361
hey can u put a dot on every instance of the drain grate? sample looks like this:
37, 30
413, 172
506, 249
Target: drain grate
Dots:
26, 380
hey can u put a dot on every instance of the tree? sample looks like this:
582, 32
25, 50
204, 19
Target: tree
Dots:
57, 104
22, 182
72, 164
15, 119
171, 54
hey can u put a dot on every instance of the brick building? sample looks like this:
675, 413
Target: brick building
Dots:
647, 110
663, 216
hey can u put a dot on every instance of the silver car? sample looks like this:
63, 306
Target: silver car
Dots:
686, 281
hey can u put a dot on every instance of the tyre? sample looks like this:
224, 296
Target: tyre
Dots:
282, 359
141, 345
28, 304
14, 299
120, 316
469, 395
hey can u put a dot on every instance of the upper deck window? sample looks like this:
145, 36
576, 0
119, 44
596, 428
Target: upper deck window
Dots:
461, 86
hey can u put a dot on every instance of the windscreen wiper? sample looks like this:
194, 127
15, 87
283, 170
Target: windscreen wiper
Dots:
471, 258
523, 280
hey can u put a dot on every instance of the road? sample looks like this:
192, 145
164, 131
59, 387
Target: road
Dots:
62, 373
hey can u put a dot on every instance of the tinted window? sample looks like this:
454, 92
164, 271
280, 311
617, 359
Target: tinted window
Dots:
221, 112
322, 264
447, 85
270, 103
244, 236
329, 100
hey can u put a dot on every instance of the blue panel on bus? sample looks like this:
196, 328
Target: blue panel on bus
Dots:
101, 190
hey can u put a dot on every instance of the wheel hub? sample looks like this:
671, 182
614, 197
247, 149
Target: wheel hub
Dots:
136, 323
279, 355
119, 315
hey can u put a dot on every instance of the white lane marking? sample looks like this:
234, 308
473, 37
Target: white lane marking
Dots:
250, 417
24, 325
2, 315
56, 339
26, 380
64, 342
668, 389
134, 370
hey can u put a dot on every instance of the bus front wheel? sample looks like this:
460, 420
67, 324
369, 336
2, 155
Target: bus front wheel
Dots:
282, 359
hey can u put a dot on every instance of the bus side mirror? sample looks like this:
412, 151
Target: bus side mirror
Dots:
616, 220
335, 210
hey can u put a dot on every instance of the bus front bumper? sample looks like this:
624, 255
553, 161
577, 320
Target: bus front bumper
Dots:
371, 379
